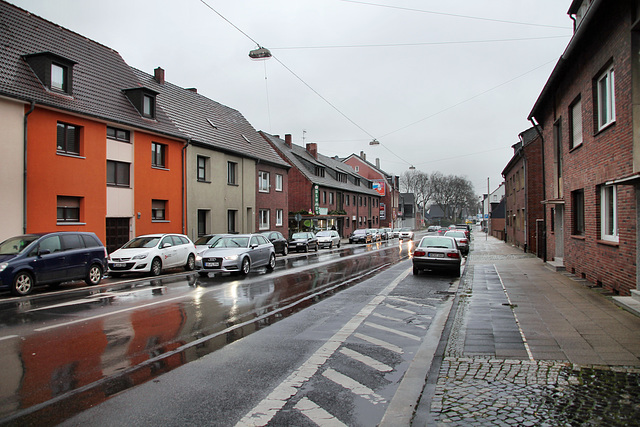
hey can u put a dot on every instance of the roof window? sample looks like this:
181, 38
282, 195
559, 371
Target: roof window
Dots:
54, 71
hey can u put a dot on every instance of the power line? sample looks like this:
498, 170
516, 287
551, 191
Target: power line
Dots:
453, 14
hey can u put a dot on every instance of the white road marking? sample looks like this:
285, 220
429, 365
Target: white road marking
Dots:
354, 386
264, 411
393, 331
404, 310
410, 302
379, 343
316, 414
369, 361
382, 316
93, 298
8, 337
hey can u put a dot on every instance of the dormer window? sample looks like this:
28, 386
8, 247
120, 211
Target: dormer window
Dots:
320, 171
144, 100
53, 71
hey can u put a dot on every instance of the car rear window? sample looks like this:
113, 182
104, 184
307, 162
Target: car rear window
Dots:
72, 241
435, 242
90, 241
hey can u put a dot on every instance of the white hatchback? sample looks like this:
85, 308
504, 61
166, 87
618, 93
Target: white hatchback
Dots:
328, 238
153, 253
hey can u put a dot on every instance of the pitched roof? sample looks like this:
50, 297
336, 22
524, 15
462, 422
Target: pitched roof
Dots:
99, 75
209, 123
300, 158
368, 163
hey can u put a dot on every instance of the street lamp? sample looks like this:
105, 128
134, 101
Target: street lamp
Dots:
412, 167
374, 142
260, 54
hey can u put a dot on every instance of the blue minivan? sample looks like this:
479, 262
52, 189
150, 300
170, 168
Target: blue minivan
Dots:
49, 259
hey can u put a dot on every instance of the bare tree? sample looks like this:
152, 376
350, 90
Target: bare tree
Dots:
418, 183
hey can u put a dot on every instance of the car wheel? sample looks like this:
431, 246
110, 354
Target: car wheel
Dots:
245, 267
94, 276
331, 245
416, 271
317, 247
191, 263
22, 284
156, 267
306, 248
338, 244
272, 262
285, 251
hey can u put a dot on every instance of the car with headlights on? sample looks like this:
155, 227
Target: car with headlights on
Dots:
237, 253
461, 239
279, 241
31, 260
328, 238
375, 235
437, 253
303, 241
406, 233
362, 235
153, 253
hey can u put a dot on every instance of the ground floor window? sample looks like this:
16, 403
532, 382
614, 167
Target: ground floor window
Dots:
577, 201
279, 217
231, 221
158, 210
609, 213
264, 219
203, 222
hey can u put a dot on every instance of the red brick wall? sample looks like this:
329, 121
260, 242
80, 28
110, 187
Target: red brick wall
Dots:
604, 154
273, 200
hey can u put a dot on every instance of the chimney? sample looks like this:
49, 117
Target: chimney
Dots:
363, 156
287, 139
377, 163
192, 89
158, 74
312, 148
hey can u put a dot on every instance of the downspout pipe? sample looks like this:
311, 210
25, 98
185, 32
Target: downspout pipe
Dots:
536, 126
24, 168
184, 184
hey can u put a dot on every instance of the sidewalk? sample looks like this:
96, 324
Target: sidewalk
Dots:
531, 346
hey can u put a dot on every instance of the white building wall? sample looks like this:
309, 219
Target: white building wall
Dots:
11, 167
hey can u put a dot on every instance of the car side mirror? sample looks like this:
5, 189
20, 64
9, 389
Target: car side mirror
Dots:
44, 252
253, 246
166, 245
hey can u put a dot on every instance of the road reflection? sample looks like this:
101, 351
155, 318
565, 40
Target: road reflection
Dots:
112, 340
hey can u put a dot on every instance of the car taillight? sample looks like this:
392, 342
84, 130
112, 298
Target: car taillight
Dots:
464, 241
419, 253
453, 255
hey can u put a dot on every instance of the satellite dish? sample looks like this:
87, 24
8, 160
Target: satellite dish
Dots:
260, 54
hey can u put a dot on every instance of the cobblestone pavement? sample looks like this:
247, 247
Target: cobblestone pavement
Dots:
486, 378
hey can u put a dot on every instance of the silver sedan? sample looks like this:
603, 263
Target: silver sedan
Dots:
237, 253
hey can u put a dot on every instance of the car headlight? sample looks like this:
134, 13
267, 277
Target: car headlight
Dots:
199, 257
231, 257
140, 256
3, 266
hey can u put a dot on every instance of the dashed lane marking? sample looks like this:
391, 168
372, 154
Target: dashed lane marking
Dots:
316, 414
404, 310
369, 361
353, 386
379, 343
393, 331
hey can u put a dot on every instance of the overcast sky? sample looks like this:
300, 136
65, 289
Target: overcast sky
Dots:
443, 86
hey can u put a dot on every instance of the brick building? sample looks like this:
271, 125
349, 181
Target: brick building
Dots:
326, 192
589, 127
523, 193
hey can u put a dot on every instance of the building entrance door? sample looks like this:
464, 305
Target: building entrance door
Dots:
117, 233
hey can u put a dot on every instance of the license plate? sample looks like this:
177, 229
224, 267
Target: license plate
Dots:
435, 255
119, 265
211, 264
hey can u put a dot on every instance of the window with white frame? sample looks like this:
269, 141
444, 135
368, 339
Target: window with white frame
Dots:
575, 127
264, 219
609, 213
279, 182
263, 182
606, 108
279, 217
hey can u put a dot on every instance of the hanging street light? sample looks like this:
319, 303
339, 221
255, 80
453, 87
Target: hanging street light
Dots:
412, 167
260, 54
374, 142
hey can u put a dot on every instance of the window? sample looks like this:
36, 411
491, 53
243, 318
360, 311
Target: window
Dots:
68, 139
54, 71
231, 220
320, 171
609, 213
68, 209
279, 217
342, 177
279, 182
357, 169
357, 182
158, 155
158, 210
203, 168
264, 219
118, 134
331, 198
575, 124
346, 199
118, 173
606, 99
231, 173
263, 182
324, 197
58, 77
148, 106
577, 200
203, 221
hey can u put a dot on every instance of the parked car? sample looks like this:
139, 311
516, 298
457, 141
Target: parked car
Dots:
384, 234
278, 240
463, 227
433, 228
303, 241
396, 233
362, 235
406, 233
237, 253
437, 253
50, 258
328, 238
375, 235
461, 239
153, 253
205, 241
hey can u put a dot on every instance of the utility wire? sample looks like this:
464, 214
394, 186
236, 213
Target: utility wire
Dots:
453, 14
